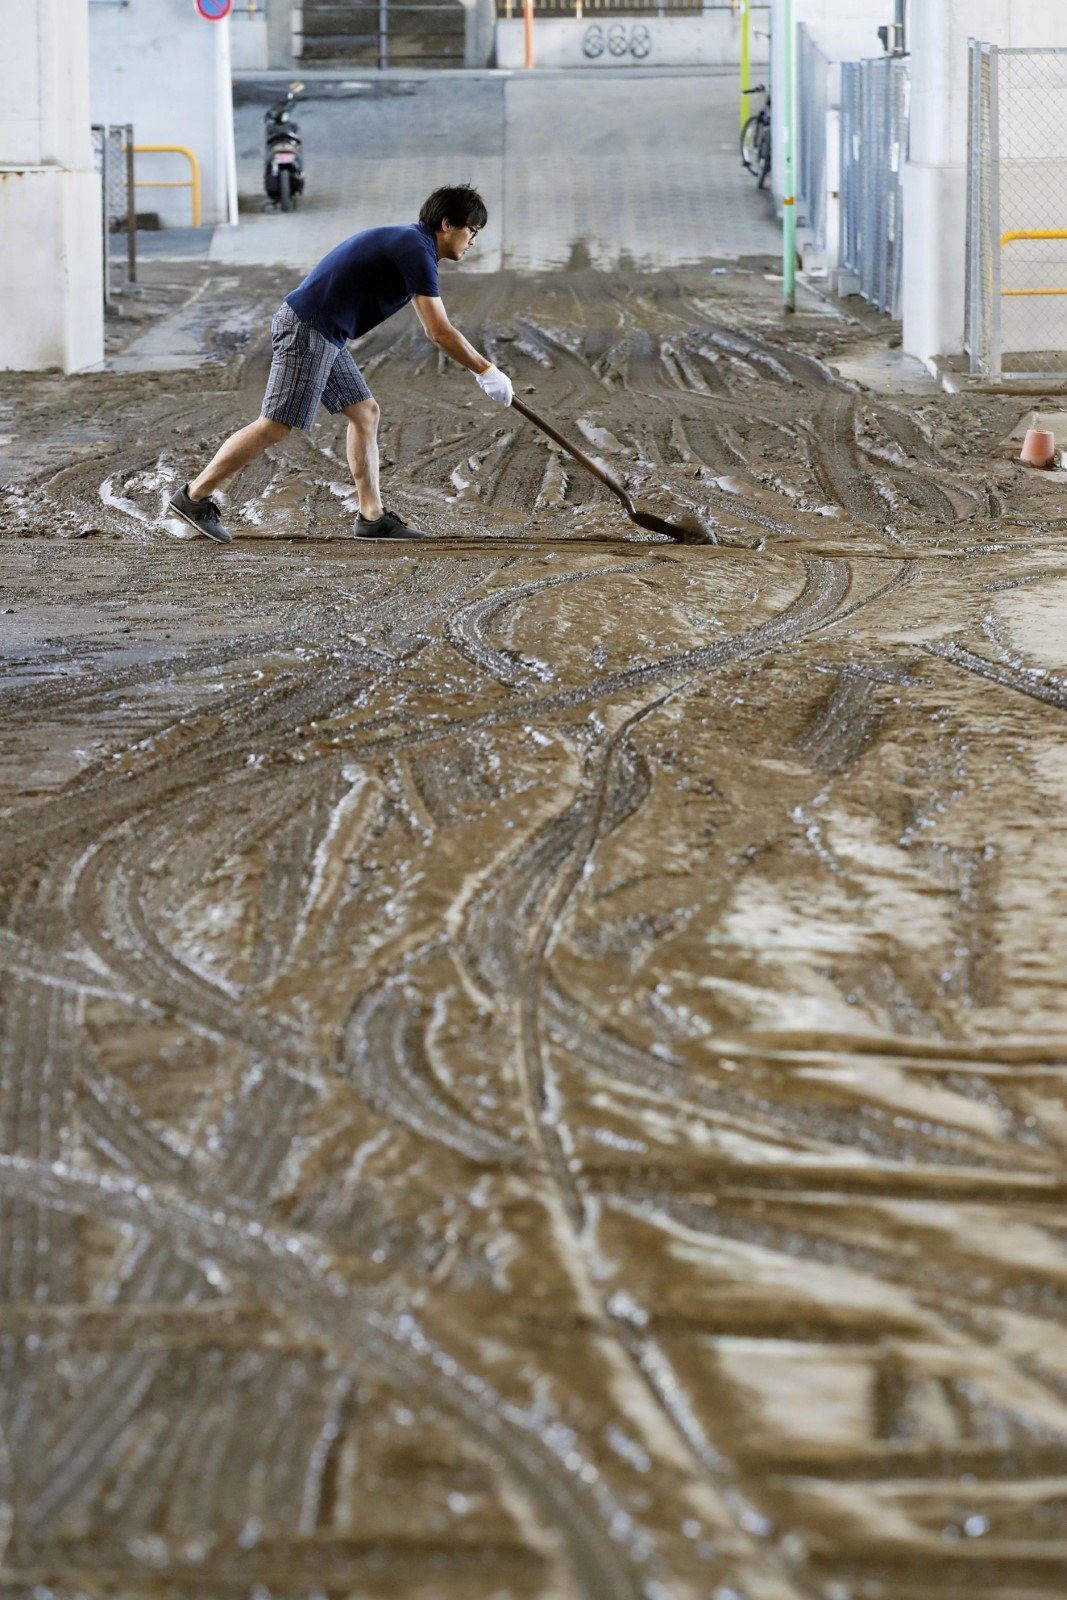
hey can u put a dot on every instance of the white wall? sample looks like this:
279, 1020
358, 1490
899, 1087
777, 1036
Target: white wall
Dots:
51, 271
248, 41
632, 41
159, 65
935, 208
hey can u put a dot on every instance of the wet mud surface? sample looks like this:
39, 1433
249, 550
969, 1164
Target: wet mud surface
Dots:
534, 1067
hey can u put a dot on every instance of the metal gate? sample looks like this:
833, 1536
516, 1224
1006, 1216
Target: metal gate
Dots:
384, 33
813, 103
1016, 287
113, 159
874, 140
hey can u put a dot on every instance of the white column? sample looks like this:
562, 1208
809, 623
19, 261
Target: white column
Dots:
280, 34
935, 177
226, 174
51, 285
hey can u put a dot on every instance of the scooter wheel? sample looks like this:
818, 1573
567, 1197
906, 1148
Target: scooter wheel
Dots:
285, 189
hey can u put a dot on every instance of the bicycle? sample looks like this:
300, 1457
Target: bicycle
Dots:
756, 138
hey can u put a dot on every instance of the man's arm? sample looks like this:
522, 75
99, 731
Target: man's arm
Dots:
431, 312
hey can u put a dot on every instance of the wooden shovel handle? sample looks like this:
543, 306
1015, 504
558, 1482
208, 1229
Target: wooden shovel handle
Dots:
573, 450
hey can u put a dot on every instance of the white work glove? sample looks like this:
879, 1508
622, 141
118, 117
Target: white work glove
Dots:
496, 385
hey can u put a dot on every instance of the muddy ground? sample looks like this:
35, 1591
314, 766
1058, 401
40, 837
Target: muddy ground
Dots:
534, 1067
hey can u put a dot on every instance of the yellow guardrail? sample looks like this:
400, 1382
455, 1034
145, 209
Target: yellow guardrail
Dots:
1031, 233
192, 182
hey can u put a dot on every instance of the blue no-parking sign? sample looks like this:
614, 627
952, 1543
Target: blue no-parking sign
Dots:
214, 10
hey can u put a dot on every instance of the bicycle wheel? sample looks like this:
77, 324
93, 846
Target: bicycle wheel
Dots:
764, 157
750, 144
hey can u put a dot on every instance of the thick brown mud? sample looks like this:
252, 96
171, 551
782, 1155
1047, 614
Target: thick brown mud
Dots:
534, 1066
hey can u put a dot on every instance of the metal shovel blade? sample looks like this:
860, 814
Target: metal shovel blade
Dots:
686, 531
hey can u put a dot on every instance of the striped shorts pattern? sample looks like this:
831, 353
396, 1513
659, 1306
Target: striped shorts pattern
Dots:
305, 369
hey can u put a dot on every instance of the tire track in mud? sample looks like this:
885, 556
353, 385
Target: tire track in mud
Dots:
383, 1054
599, 1568
837, 465
778, 361
826, 584
1035, 682
113, 919
59, 824
249, 1149
747, 395
838, 453
316, 1290
130, 1379
467, 629
823, 1130
267, 718
508, 933
96, 802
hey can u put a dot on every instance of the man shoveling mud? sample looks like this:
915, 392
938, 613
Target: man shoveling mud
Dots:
358, 285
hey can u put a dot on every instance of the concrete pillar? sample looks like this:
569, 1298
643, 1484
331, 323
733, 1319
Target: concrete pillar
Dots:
479, 42
51, 287
935, 176
280, 35
935, 189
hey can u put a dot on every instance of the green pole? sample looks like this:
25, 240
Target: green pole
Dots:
746, 62
789, 143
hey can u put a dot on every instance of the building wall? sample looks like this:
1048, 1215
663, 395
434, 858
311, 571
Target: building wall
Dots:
249, 50
51, 264
159, 65
632, 41
935, 207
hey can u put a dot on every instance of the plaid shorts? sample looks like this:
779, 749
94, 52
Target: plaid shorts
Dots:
306, 368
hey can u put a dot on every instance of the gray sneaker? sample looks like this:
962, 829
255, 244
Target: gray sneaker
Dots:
204, 515
387, 526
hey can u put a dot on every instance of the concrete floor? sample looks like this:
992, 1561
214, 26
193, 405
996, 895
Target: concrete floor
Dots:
624, 168
531, 1067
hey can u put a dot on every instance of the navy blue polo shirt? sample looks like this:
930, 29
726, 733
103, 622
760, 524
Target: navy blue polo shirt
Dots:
365, 279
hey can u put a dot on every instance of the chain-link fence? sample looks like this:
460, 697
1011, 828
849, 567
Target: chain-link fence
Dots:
1016, 294
113, 159
874, 140
813, 104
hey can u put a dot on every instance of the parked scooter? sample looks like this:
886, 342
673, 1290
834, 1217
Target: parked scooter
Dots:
283, 177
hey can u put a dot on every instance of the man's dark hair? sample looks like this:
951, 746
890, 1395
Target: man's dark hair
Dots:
462, 206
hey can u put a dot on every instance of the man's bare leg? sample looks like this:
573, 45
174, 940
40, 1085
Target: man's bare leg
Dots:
361, 447
238, 450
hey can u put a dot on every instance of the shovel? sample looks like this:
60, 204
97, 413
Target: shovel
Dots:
688, 531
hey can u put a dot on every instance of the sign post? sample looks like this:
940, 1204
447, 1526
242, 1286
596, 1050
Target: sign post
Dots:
528, 26
746, 61
789, 162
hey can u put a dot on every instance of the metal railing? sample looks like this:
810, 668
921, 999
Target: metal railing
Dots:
874, 137
387, 32
113, 159
813, 104
506, 9
1015, 315
191, 182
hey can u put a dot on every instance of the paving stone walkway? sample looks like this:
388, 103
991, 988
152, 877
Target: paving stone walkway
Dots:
615, 168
